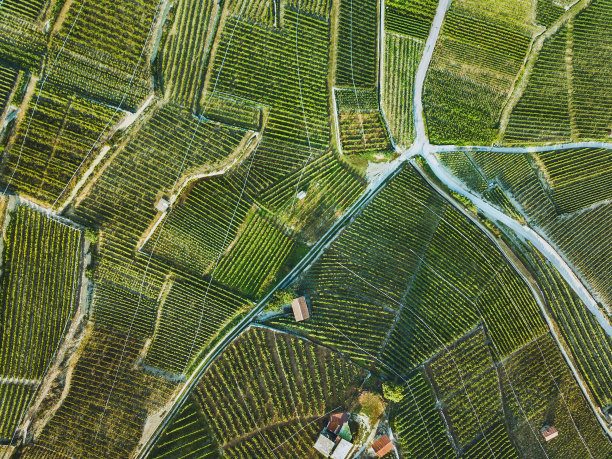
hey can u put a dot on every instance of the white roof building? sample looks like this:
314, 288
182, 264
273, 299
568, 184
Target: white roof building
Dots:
162, 205
342, 450
324, 445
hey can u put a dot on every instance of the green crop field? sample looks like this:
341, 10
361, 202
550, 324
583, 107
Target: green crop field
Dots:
402, 55
357, 43
391, 311
175, 175
574, 215
264, 396
40, 277
55, 139
410, 17
542, 389
542, 113
91, 423
417, 422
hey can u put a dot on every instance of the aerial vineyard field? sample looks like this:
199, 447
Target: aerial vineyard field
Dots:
260, 64
363, 132
410, 17
188, 436
592, 90
357, 43
548, 11
50, 146
536, 377
28, 9
474, 65
392, 310
589, 343
89, 421
579, 234
8, 77
122, 200
99, 31
417, 422
402, 56
542, 113
330, 185
253, 263
192, 313
39, 294
219, 228
466, 382
20, 45
266, 392
184, 54
200, 228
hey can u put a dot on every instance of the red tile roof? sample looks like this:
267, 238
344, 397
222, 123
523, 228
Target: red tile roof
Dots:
382, 446
336, 421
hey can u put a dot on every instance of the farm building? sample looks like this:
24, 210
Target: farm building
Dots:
162, 205
342, 449
300, 309
382, 446
324, 445
549, 432
336, 422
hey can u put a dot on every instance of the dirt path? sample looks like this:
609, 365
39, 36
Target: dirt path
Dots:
526, 234
419, 79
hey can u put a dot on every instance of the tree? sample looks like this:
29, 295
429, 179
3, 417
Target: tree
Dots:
280, 299
91, 235
393, 392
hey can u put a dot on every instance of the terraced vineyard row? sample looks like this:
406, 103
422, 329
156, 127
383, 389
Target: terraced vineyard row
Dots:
264, 386
28, 9
201, 227
417, 422
103, 34
122, 199
44, 157
357, 43
402, 56
192, 314
252, 264
410, 17
363, 133
261, 66
389, 273
187, 437
40, 278
542, 113
89, 422
184, 55
8, 77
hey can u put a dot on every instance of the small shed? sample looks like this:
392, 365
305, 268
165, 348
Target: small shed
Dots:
300, 309
342, 449
549, 432
382, 445
162, 205
324, 445
336, 422
301, 195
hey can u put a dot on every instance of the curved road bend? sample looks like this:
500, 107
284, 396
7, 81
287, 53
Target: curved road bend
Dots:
535, 291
